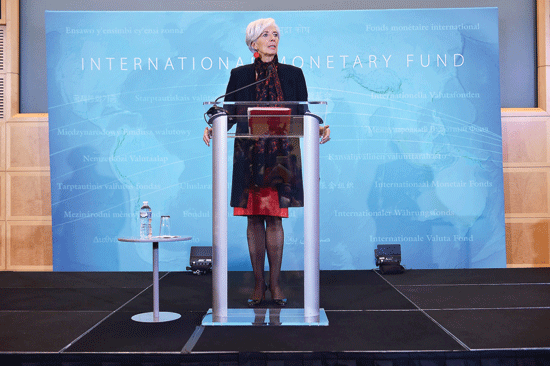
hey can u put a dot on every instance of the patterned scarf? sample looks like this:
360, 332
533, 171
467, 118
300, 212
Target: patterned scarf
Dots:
270, 90
267, 151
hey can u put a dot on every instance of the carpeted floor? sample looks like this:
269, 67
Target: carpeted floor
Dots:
447, 311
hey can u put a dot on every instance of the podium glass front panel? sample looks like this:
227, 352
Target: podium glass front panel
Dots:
259, 119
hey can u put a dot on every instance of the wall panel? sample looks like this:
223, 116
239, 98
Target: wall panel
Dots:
29, 245
525, 141
2, 220
28, 196
527, 243
27, 146
526, 192
2, 245
2, 196
2, 146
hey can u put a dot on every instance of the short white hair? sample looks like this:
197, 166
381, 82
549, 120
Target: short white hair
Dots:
255, 30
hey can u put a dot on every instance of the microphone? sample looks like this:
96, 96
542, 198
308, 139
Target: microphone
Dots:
215, 109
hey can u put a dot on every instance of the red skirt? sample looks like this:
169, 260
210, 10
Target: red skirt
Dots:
262, 201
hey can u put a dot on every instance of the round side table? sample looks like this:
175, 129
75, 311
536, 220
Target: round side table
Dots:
156, 316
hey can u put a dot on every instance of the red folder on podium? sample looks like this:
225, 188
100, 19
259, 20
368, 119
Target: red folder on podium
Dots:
269, 121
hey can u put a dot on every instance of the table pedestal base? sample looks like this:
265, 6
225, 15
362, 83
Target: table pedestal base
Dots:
150, 317
265, 316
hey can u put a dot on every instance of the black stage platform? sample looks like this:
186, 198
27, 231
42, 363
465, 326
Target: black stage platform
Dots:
421, 317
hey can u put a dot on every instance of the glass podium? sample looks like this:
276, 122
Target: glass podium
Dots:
265, 120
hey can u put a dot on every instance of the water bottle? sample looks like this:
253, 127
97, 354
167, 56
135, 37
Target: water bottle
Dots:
145, 217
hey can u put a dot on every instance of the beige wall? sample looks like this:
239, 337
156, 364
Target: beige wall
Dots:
526, 158
25, 213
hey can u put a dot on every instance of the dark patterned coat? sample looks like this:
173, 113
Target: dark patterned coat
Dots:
281, 166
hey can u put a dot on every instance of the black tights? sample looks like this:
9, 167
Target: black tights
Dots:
265, 234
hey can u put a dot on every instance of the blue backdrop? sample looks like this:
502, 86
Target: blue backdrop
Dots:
413, 104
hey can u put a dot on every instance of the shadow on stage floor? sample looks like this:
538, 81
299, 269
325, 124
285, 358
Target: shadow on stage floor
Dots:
446, 317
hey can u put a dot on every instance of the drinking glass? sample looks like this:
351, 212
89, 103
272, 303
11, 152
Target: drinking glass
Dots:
164, 226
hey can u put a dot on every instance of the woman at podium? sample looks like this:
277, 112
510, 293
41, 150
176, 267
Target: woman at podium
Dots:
266, 171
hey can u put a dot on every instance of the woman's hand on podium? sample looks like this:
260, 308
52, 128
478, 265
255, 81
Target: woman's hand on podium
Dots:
207, 135
324, 133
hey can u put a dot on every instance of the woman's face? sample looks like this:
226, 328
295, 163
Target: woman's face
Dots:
267, 43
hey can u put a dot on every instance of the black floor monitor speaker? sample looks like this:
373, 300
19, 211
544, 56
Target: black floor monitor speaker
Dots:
200, 260
388, 258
